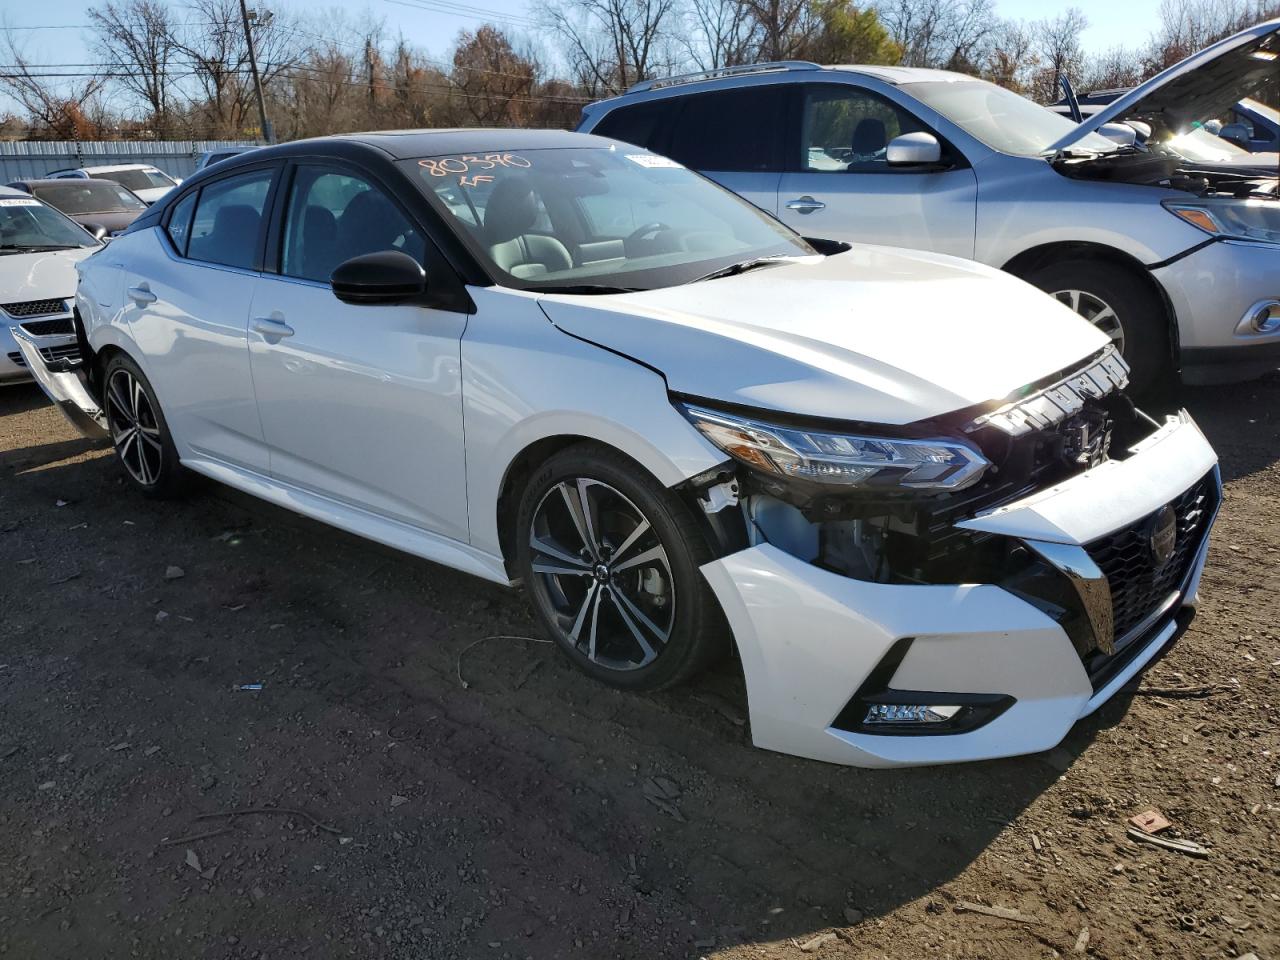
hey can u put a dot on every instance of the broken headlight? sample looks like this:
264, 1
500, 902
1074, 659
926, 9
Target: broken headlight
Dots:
840, 459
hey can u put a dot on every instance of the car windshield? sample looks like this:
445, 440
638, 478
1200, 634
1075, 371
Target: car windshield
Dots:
596, 218
27, 224
137, 179
1001, 119
87, 196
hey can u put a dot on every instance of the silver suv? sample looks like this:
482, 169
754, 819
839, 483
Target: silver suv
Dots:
1179, 265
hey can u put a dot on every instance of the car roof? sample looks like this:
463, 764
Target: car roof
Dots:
115, 167
61, 181
803, 70
406, 144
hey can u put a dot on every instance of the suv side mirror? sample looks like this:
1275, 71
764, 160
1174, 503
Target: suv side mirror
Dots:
388, 276
1120, 133
913, 149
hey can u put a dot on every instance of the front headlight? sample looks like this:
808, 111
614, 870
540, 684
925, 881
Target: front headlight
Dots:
1230, 217
839, 458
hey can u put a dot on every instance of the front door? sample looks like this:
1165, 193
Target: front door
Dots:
840, 186
360, 403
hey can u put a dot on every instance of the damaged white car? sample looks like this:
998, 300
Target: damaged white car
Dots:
910, 490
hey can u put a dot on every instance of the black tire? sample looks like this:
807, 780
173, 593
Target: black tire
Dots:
616, 488
1137, 308
147, 455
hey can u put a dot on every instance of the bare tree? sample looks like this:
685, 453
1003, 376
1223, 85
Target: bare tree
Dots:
939, 33
611, 44
494, 80
1058, 46
1011, 59
56, 108
719, 33
135, 38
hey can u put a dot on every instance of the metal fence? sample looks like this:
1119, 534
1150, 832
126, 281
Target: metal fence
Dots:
27, 159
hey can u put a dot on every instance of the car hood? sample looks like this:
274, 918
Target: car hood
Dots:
40, 276
1201, 85
874, 334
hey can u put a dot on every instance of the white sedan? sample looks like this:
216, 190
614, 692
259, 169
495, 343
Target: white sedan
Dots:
908, 489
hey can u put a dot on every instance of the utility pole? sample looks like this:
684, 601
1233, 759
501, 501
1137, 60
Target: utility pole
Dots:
267, 133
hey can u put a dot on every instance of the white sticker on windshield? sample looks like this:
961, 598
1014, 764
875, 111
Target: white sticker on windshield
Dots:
19, 202
653, 161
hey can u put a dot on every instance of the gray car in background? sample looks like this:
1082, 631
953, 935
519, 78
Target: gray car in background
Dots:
1179, 265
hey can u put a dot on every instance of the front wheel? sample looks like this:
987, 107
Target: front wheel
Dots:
610, 559
1120, 305
139, 433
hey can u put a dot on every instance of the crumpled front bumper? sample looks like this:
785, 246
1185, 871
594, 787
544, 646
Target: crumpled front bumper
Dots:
809, 638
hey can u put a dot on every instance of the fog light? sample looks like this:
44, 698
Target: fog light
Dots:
909, 713
1262, 317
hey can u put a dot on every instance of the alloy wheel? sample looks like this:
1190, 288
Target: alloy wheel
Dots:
1096, 310
602, 571
135, 430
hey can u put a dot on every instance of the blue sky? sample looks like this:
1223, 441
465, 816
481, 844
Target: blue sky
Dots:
1112, 22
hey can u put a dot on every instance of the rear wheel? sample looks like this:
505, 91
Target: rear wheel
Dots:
610, 559
1120, 305
139, 433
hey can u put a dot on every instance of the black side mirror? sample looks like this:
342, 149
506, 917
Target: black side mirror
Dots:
96, 230
388, 276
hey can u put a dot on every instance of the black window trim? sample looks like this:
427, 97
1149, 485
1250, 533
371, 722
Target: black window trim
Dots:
259, 250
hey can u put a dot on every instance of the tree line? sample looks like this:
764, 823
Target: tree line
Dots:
183, 72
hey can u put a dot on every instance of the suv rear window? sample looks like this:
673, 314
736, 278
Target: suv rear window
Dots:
644, 124
730, 130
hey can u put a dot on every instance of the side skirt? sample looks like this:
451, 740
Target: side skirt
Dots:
362, 523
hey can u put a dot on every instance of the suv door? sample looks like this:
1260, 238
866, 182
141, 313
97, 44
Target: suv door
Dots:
839, 185
187, 291
360, 403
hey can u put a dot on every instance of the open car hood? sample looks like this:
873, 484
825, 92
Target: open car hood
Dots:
876, 334
1201, 85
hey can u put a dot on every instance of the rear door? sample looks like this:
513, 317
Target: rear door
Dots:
838, 184
187, 293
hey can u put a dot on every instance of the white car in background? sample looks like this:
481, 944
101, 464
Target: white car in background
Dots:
147, 182
39, 250
907, 487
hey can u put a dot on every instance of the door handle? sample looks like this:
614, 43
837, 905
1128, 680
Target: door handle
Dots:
806, 205
141, 295
273, 331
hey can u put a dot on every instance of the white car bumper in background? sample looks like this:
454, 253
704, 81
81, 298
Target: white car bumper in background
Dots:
52, 346
819, 649
1215, 292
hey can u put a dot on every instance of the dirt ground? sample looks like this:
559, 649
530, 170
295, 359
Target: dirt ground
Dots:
455, 799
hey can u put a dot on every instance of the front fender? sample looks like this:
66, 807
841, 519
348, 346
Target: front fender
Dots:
525, 381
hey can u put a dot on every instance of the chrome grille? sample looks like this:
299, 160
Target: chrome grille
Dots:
1138, 586
34, 308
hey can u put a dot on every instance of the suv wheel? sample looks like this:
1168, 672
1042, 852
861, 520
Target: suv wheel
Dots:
1121, 306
